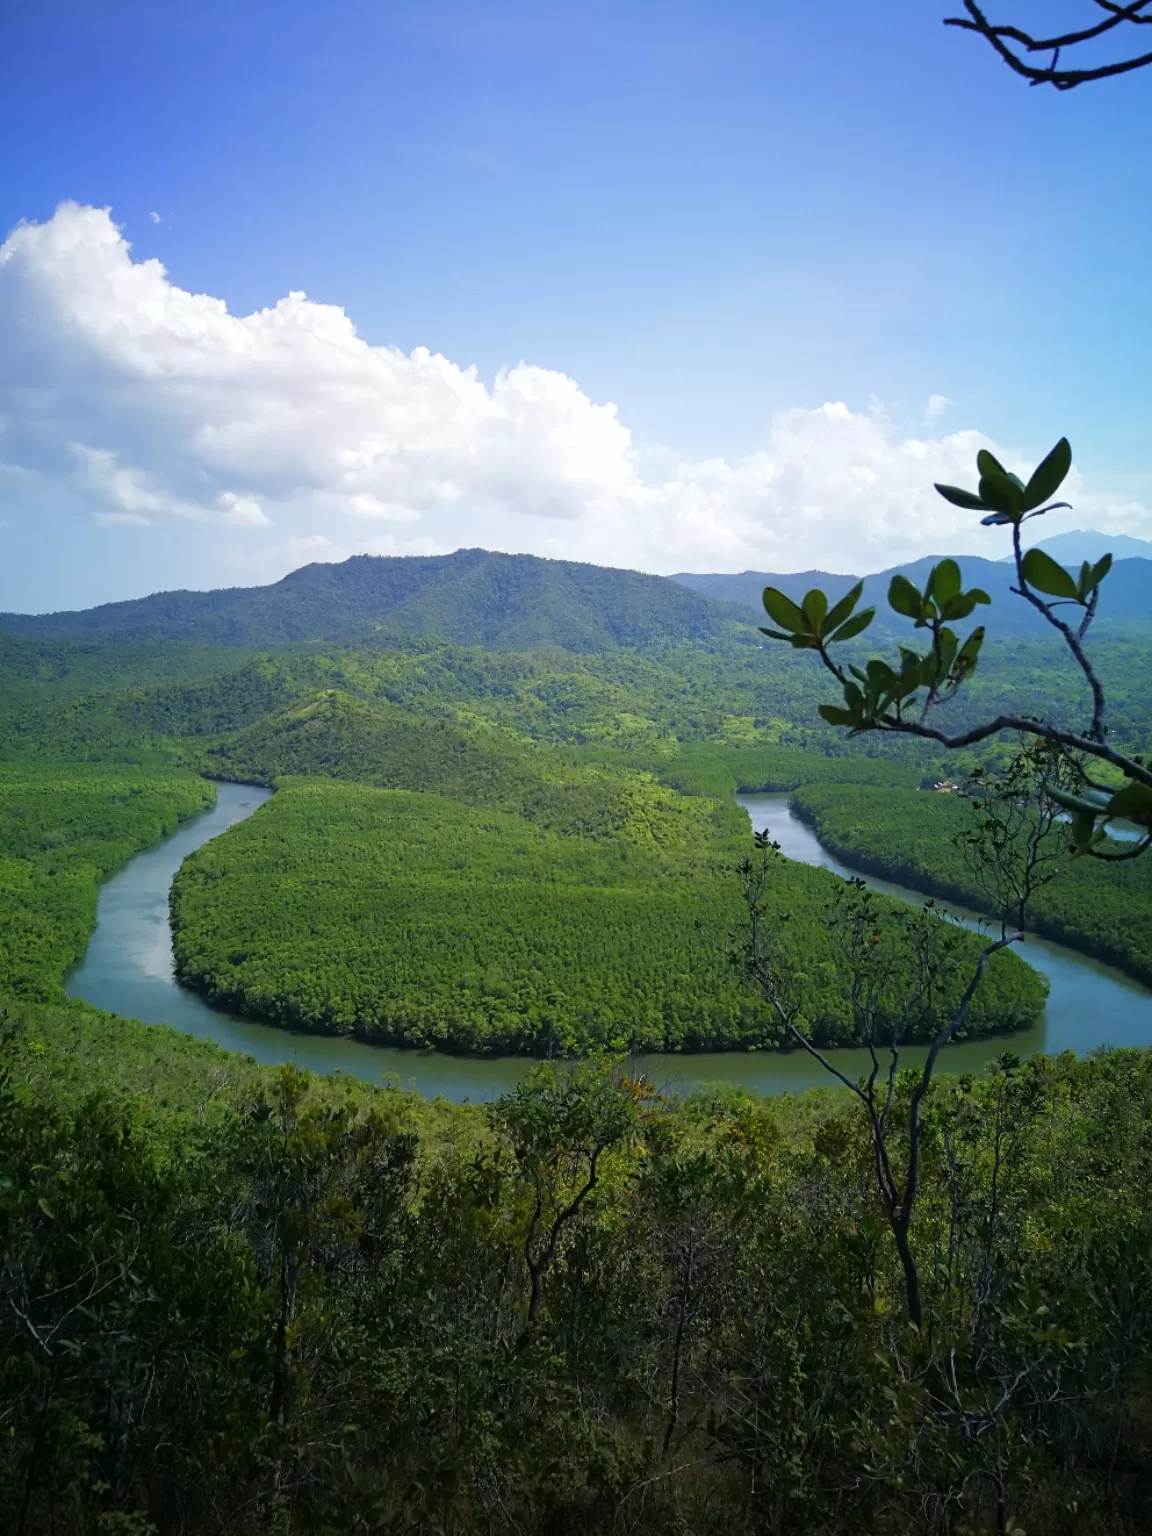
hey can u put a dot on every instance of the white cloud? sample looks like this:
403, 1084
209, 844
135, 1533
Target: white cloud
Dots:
937, 405
155, 217
99, 472
142, 402
241, 511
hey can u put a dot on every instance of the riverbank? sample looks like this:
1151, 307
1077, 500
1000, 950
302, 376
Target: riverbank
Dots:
128, 969
1100, 909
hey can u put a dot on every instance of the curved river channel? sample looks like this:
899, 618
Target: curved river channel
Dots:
128, 969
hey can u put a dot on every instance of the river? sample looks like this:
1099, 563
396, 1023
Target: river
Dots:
128, 969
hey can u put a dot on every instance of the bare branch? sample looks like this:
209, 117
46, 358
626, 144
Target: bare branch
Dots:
1013, 44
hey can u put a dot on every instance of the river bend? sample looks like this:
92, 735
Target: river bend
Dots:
128, 969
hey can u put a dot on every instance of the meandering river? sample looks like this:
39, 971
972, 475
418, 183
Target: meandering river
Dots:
128, 969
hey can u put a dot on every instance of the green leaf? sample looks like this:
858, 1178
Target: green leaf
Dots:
1133, 803
775, 634
968, 652
844, 607
909, 660
944, 582
1002, 494
948, 645
854, 626
905, 599
814, 607
1048, 476
996, 520
958, 607
988, 464
1091, 576
836, 716
783, 610
1083, 830
1042, 572
961, 498
1091, 801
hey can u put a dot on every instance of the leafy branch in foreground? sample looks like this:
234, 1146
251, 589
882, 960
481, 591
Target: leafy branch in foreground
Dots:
903, 699
911, 976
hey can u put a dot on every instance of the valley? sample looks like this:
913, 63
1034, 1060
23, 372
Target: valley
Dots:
129, 969
575, 769
378, 1006
558, 823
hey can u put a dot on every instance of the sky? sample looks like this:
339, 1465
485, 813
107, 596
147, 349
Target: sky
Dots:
669, 284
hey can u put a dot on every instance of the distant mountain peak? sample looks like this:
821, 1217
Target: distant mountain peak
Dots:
470, 597
1089, 544
1126, 597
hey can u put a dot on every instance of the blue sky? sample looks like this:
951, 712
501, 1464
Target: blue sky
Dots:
715, 216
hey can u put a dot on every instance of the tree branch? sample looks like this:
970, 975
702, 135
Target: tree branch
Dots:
1001, 37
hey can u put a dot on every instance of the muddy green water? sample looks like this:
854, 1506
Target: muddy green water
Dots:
128, 970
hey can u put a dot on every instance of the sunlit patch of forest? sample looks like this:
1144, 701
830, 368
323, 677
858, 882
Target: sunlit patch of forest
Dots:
96, 698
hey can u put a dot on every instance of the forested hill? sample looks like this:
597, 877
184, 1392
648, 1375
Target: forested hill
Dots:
1126, 597
472, 597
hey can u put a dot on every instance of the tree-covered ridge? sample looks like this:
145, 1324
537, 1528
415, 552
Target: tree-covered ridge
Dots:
334, 907
280, 1305
1102, 909
157, 703
502, 602
717, 769
64, 829
653, 699
342, 737
587, 790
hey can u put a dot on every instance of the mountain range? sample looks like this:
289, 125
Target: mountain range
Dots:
473, 597
522, 602
1126, 595
1087, 544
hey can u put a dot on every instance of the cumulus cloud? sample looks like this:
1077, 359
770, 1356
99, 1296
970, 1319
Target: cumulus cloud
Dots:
241, 511
937, 405
141, 403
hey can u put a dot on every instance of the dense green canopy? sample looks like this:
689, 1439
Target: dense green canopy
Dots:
413, 919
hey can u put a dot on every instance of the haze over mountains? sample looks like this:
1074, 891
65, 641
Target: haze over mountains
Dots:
522, 602
1126, 599
1087, 544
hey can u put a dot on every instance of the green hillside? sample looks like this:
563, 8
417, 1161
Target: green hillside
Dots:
524, 851
473, 597
161, 701
343, 737
106, 698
